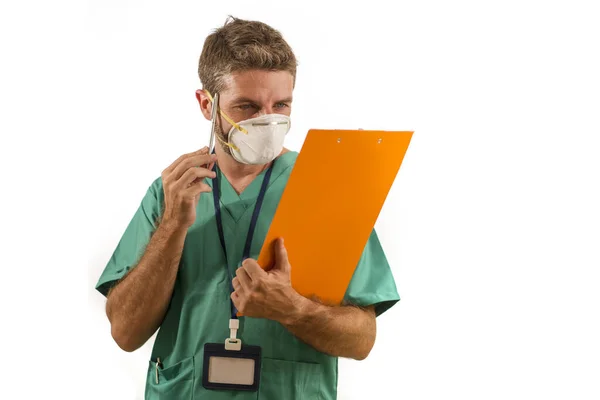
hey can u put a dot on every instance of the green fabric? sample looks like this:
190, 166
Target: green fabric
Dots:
199, 310
372, 282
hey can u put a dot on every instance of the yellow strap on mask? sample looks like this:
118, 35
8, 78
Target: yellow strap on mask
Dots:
233, 146
235, 125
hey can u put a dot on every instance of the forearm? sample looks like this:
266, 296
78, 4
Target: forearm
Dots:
137, 305
345, 331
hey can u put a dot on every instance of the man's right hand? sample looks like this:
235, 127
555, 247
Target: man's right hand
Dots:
137, 305
183, 182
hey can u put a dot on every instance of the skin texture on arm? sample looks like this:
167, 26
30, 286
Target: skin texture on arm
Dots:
136, 306
344, 331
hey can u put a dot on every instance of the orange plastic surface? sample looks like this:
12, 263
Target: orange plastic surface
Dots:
330, 205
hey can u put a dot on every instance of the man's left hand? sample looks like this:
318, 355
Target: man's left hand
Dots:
265, 294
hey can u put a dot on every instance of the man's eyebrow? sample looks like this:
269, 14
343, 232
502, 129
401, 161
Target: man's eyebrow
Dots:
248, 100
244, 100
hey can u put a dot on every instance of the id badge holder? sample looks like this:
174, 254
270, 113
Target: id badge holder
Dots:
231, 366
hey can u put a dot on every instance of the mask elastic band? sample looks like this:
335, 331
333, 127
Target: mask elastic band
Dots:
233, 146
235, 125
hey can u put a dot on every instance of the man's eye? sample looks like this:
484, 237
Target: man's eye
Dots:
281, 105
245, 107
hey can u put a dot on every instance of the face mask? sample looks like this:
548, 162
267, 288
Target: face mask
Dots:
256, 141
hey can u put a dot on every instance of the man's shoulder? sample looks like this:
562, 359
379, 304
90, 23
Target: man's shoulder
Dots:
157, 185
154, 192
287, 159
155, 189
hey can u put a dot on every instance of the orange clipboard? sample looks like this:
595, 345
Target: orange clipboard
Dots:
329, 207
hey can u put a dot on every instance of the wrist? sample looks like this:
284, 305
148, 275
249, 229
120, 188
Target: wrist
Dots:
172, 227
298, 307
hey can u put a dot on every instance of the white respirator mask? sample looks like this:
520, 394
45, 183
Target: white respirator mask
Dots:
255, 141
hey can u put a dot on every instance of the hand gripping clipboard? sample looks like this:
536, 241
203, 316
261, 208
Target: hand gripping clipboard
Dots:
330, 205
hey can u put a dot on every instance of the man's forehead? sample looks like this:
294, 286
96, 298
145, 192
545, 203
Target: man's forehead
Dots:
259, 85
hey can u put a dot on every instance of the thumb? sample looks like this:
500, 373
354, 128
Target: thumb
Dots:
281, 257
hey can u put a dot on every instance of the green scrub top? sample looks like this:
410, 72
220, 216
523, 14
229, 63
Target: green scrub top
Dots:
199, 311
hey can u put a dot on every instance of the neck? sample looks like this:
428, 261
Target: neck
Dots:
234, 170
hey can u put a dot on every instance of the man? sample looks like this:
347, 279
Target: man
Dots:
178, 266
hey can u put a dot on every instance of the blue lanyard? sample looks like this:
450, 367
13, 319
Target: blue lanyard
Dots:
251, 229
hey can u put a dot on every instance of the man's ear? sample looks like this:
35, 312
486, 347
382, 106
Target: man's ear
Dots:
205, 103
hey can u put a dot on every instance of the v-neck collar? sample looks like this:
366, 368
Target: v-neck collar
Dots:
236, 205
250, 192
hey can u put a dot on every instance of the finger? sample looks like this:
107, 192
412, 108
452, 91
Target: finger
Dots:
281, 256
252, 268
210, 168
196, 189
175, 163
244, 279
193, 176
189, 162
194, 161
235, 297
236, 284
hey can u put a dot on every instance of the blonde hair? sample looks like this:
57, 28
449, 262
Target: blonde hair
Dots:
241, 45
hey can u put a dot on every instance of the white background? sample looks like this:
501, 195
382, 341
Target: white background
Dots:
492, 227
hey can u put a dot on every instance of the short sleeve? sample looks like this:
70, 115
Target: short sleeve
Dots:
135, 239
373, 282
